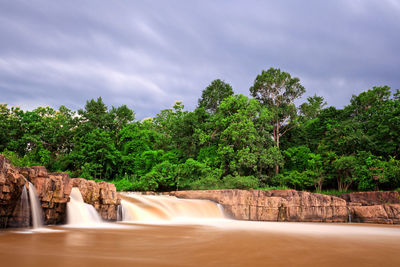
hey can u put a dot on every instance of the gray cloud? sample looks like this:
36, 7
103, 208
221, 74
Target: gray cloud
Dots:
149, 54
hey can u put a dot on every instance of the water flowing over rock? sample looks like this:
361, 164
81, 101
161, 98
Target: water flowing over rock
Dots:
53, 191
103, 196
36, 208
21, 214
79, 212
136, 207
296, 206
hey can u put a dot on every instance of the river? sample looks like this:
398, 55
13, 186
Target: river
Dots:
156, 231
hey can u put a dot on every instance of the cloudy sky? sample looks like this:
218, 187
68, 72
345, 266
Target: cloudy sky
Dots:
148, 54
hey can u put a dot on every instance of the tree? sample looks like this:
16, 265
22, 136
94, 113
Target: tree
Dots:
96, 155
277, 90
379, 118
212, 96
242, 135
312, 109
345, 168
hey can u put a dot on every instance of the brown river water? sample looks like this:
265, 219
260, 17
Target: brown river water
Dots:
202, 245
154, 232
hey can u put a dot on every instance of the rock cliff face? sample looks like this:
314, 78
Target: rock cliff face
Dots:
53, 190
275, 205
11, 185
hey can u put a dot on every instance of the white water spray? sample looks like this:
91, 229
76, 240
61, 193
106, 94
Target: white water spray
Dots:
79, 212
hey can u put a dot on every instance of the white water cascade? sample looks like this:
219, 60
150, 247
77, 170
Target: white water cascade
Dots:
147, 208
79, 212
36, 209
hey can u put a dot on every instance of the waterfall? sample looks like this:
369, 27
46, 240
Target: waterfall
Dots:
36, 209
24, 206
167, 208
119, 213
79, 212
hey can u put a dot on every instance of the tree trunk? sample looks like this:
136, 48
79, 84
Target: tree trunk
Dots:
277, 145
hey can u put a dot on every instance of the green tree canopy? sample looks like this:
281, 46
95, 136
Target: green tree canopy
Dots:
213, 95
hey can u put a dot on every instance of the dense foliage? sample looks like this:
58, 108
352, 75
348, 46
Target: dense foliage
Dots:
228, 141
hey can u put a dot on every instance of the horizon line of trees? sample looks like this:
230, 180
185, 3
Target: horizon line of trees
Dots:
228, 141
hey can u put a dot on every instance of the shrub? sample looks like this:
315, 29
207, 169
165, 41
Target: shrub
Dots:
207, 183
240, 182
124, 184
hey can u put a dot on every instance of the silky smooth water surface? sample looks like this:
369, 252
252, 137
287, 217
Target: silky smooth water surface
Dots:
213, 243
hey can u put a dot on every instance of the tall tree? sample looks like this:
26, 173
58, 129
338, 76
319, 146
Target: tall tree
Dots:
313, 107
212, 96
277, 90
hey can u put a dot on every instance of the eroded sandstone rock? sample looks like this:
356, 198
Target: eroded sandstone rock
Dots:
374, 207
275, 205
11, 185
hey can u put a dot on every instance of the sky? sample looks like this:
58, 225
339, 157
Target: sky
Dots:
149, 54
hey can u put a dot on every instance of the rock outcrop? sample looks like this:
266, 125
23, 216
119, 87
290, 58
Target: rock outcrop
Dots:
374, 207
53, 191
11, 185
103, 196
275, 205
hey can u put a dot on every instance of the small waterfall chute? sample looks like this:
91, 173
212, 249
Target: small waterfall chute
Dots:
21, 213
36, 208
79, 212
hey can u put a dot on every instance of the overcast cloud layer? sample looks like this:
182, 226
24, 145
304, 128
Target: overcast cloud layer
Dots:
148, 54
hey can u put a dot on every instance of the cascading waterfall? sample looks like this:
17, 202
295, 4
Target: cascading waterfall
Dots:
36, 209
24, 205
167, 208
119, 213
79, 212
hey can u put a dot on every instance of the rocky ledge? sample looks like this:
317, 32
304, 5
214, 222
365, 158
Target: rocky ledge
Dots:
296, 206
274, 205
53, 191
374, 207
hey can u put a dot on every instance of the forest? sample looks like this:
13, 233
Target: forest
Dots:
229, 140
